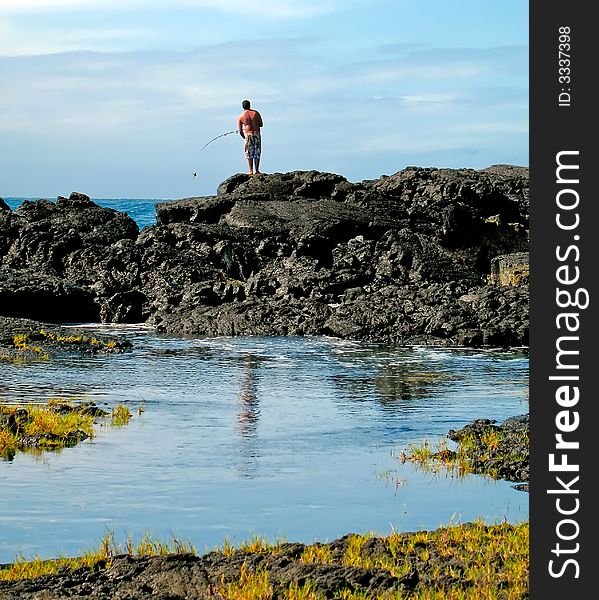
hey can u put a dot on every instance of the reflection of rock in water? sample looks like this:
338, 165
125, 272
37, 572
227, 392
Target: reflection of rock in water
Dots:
392, 388
400, 383
392, 383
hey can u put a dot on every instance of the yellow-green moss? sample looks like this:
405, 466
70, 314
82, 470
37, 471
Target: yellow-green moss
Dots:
99, 558
51, 426
473, 453
480, 561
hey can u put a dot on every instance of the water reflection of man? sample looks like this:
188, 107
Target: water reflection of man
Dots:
247, 417
249, 412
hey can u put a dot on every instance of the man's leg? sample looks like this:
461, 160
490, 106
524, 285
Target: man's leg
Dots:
251, 166
257, 163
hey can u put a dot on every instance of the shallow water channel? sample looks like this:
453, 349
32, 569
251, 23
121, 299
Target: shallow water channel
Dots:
286, 438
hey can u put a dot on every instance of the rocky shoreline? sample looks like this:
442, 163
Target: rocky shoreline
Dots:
361, 566
424, 256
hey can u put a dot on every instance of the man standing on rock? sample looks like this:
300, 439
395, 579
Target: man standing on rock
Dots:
249, 123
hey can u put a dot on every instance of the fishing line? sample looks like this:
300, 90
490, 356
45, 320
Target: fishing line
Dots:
215, 138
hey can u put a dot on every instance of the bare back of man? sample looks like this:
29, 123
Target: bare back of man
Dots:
251, 121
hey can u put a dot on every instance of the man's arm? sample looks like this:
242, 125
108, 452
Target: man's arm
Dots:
260, 122
240, 127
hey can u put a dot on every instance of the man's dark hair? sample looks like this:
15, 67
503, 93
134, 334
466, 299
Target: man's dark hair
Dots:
245, 104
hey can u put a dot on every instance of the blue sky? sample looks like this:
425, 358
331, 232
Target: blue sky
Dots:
115, 98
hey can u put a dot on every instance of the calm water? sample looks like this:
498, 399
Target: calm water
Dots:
281, 437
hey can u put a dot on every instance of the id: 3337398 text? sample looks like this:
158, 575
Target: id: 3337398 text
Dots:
564, 58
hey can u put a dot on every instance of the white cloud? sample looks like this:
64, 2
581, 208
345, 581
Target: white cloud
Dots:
15, 41
117, 93
72, 25
29, 27
406, 142
426, 99
485, 128
276, 9
407, 70
464, 133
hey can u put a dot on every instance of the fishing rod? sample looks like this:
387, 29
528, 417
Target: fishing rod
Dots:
218, 136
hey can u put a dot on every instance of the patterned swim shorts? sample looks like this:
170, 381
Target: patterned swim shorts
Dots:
252, 145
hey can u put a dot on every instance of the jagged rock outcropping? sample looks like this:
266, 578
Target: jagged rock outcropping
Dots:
405, 258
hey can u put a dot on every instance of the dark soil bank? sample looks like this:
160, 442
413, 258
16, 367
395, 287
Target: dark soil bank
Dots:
434, 256
25, 339
373, 568
508, 457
